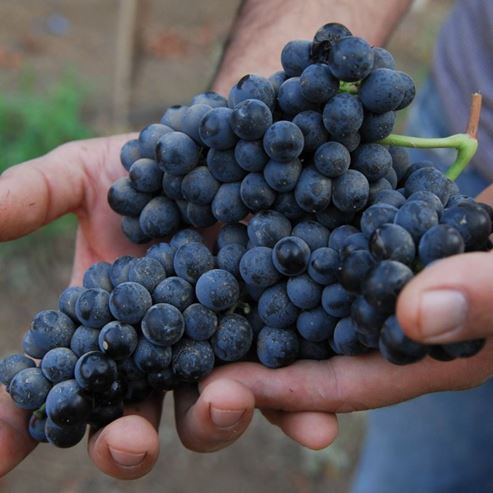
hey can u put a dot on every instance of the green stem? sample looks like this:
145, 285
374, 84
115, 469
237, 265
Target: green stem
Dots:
349, 87
465, 144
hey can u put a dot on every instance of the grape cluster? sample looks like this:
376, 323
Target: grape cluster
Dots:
339, 224
293, 143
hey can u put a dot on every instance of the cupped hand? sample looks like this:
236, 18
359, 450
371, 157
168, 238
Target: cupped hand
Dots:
75, 178
450, 301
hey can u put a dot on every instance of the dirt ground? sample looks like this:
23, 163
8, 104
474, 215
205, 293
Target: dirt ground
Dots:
181, 42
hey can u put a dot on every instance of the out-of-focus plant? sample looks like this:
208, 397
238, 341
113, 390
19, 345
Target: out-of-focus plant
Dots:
34, 122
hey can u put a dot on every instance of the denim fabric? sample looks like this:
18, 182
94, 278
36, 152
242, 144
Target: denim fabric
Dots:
437, 443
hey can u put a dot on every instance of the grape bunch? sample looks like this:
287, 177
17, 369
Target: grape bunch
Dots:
292, 143
338, 224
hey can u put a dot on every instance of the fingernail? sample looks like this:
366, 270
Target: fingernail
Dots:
127, 459
442, 313
226, 418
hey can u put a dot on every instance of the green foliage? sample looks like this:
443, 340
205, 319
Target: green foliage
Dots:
33, 123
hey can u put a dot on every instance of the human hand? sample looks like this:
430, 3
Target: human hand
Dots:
75, 178
344, 384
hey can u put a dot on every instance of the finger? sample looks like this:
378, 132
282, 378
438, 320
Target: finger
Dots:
36, 192
129, 447
345, 384
449, 301
215, 418
15, 442
313, 430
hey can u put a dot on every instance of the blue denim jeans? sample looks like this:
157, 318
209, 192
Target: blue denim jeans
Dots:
439, 442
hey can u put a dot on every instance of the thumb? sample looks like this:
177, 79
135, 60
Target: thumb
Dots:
449, 301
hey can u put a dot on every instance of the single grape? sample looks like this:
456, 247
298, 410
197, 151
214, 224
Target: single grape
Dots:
318, 84
266, 228
393, 338
148, 139
174, 291
315, 325
150, 358
13, 364
199, 186
64, 436
146, 176
290, 256
95, 371
373, 160
283, 141
229, 257
393, 242
118, 340
163, 324
323, 266
282, 177
336, 301
350, 59
256, 193
218, 290
192, 260
146, 271
215, 129
416, 217
439, 242
384, 283
375, 216
257, 267
275, 309
29, 388
58, 364
223, 166
233, 338
200, 322
277, 347
325, 38
345, 339
66, 405
332, 159
68, 300
119, 269
313, 233
125, 200
350, 192
250, 155
84, 340
343, 115
177, 153
227, 205
252, 87
304, 292
129, 153
313, 191
296, 56
250, 119
354, 269
51, 328
128, 302
311, 125
159, 218
192, 360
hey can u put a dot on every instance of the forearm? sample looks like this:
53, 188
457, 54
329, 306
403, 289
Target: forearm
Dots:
263, 27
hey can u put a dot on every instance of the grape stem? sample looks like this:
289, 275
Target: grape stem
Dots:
466, 143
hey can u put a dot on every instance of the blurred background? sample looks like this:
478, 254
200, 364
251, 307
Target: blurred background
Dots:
78, 68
